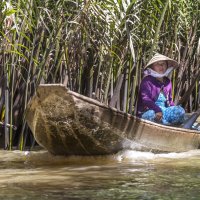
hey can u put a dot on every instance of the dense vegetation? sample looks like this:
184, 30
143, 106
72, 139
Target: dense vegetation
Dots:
97, 48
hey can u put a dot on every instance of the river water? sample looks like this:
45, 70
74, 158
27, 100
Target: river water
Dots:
125, 175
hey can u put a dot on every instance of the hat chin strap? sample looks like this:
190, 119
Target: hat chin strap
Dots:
155, 74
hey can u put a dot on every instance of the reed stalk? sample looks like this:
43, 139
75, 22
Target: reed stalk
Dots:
94, 47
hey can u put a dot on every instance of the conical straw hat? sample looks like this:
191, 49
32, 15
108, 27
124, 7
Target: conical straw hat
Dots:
160, 57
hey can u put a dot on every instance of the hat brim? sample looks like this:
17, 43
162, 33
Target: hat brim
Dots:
159, 57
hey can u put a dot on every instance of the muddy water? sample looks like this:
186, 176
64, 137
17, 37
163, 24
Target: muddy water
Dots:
126, 175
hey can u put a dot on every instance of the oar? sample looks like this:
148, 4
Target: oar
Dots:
190, 121
8, 126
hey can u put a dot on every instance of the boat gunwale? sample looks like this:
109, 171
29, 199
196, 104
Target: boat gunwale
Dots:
129, 116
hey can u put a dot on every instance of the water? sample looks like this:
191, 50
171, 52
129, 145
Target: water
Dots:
126, 175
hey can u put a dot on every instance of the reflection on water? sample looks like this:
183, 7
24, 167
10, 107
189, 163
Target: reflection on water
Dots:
126, 175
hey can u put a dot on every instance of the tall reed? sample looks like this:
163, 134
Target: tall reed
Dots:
97, 48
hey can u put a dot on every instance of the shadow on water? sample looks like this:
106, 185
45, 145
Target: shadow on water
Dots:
125, 175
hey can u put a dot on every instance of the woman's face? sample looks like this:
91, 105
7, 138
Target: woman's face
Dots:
160, 67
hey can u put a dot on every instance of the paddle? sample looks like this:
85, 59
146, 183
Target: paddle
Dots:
190, 121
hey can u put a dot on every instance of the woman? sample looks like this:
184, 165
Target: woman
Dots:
155, 94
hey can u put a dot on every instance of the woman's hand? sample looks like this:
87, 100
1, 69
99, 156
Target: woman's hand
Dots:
158, 116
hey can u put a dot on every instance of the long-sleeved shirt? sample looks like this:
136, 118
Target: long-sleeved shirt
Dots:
149, 91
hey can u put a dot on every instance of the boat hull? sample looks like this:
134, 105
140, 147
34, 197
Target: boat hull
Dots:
67, 123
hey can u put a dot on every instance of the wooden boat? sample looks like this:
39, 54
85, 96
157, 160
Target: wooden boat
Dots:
67, 123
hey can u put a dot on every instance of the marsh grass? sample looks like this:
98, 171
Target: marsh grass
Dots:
96, 48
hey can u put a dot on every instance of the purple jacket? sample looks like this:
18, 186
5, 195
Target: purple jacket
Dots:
149, 91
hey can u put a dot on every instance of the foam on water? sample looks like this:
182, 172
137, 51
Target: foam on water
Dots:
134, 151
43, 158
139, 156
